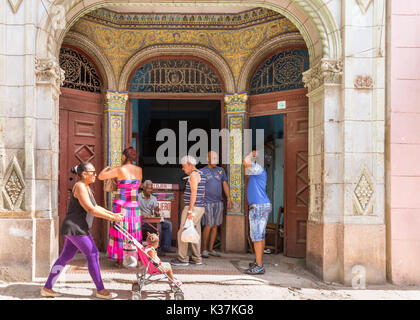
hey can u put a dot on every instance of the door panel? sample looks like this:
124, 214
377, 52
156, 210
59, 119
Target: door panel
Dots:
297, 189
81, 140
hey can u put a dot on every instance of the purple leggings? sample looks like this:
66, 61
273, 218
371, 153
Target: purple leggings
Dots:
72, 244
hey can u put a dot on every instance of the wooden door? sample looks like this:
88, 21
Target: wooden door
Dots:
296, 183
81, 140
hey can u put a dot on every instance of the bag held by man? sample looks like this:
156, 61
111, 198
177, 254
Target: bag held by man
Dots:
189, 234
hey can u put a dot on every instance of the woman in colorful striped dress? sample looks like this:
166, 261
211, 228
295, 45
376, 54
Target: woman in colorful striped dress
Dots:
129, 178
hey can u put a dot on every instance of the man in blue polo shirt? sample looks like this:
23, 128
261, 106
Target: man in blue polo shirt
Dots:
213, 214
259, 207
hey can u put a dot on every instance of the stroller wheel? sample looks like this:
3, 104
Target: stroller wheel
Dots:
179, 296
136, 296
135, 287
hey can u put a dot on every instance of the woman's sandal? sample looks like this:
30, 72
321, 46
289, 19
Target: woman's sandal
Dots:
109, 296
49, 293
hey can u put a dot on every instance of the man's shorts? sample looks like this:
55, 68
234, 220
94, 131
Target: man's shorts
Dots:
213, 214
258, 217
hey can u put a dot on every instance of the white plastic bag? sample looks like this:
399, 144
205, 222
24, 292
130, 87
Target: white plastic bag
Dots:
189, 234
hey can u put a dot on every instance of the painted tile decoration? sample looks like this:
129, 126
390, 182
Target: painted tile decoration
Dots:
235, 43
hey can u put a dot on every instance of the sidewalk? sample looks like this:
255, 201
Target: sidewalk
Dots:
219, 278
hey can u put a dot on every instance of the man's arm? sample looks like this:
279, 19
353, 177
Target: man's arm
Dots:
194, 180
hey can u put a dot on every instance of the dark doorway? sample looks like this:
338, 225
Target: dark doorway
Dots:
151, 115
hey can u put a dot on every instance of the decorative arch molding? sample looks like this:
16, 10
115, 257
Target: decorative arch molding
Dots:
103, 64
261, 53
178, 50
313, 18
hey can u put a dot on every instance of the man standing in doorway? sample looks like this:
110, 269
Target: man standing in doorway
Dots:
213, 215
259, 207
194, 209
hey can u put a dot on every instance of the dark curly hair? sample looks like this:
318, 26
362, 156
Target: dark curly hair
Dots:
130, 155
80, 168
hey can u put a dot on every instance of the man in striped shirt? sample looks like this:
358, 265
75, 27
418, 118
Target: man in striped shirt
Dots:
194, 209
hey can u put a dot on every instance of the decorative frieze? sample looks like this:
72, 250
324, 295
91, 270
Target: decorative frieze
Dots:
13, 187
325, 72
236, 103
363, 82
49, 71
116, 101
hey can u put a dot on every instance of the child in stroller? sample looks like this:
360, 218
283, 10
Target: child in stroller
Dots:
152, 244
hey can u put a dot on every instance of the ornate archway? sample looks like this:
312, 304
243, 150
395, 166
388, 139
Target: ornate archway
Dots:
321, 35
313, 19
96, 54
178, 50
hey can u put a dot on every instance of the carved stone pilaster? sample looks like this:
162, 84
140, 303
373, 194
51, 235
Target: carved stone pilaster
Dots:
48, 71
325, 72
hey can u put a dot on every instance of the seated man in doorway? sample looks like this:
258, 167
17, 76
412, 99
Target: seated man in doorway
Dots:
148, 207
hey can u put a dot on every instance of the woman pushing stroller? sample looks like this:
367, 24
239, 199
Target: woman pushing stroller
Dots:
75, 227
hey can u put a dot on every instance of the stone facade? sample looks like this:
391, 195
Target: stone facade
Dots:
346, 43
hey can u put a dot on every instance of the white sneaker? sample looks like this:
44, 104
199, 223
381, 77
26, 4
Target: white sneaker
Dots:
214, 253
205, 254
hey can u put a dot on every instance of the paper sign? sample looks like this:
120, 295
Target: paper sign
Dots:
165, 208
281, 104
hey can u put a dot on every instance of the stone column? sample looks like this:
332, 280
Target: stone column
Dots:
235, 110
363, 116
49, 78
325, 162
115, 129
29, 90
346, 227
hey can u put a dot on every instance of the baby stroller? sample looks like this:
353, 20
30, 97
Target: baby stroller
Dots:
151, 268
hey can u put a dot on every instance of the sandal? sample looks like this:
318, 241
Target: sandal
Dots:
49, 293
108, 296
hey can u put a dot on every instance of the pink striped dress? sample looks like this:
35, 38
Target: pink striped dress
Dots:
125, 202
